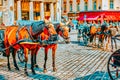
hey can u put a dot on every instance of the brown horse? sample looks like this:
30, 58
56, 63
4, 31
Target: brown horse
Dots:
93, 31
61, 30
113, 33
16, 38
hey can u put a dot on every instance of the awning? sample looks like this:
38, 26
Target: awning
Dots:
92, 17
80, 18
99, 15
110, 17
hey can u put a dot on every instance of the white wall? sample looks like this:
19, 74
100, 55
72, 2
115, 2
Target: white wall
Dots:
105, 4
117, 4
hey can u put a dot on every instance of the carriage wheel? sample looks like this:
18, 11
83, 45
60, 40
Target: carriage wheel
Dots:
113, 65
20, 53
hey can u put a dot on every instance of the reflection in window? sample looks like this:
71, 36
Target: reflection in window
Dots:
47, 7
94, 5
111, 4
78, 7
86, 6
70, 7
64, 7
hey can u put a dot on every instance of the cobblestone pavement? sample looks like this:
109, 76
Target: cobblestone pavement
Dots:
74, 62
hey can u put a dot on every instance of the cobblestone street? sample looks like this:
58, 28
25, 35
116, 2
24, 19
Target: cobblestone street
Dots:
74, 62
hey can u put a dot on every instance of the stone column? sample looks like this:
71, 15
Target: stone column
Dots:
90, 5
31, 11
51, 12
5, 13
59, 10
42, 10
99, 4
62, 6
68, 6
82, 5
19, 10
74, 6
58, 15
11, 12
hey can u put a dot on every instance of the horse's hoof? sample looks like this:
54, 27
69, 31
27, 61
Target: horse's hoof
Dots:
36, 66
17, 69
9, 68
33, 72
54, 69
26, 73
45, 70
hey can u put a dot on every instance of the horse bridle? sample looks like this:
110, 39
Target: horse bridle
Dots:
50, 32
61, 29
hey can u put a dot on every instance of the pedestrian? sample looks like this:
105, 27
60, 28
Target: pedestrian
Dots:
85, 33
77, 25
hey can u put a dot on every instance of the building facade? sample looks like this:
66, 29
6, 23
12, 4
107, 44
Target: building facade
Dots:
72, 8
14, 10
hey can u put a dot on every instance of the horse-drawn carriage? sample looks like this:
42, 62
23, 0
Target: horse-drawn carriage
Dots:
113, 65
31, 38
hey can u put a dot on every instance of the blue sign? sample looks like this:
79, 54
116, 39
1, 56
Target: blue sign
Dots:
85, 16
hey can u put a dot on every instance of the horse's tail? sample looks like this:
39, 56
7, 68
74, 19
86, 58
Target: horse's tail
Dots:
6, 42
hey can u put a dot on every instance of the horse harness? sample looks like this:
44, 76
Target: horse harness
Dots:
53, 39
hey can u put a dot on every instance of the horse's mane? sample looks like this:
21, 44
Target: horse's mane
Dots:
37, 27
57, 26
103, 27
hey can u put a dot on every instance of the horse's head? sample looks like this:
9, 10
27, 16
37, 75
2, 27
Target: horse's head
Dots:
50, 27
63, 31
49, 33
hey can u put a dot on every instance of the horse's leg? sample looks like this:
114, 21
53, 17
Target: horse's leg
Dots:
115, 44
95, 40
14, 59
35, 57
102, 41
111, 45
53, 57
46, 56
91, 39
8, 64
32, 63
108, 41
8, 59
26, 60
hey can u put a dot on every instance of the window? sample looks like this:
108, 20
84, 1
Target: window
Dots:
1, 2
25, 10
111, 4
71, 7
64, 7
94, 5
47, 7
86, 6
78, 7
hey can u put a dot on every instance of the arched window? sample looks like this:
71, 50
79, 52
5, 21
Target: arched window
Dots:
95, 6
64, 7
70, 7
86, 6
78, 6
111, 4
